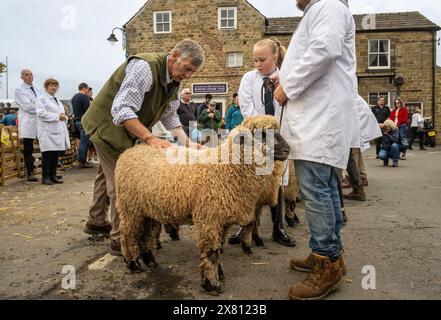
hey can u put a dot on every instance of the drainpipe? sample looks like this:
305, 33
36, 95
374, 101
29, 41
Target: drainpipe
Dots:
434, 78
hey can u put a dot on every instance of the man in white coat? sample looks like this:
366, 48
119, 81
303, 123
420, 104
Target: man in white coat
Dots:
26, 99
318, 87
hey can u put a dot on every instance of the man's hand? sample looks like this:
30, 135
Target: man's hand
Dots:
63, 117
280, 96
211, 115
158, 143
275, 78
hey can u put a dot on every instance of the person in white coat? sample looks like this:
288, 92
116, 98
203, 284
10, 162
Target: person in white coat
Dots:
53, 135
255, 100
318, 86
26, 99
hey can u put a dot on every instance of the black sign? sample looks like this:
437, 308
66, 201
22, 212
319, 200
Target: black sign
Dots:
213, 88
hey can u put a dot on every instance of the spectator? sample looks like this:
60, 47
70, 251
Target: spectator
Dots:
26, 99
382, 113
417, 127
80, 104
390, 147
187, 110
234, 115
141, 92
10, 119
400, 115
210, 117
53, 136
204, 106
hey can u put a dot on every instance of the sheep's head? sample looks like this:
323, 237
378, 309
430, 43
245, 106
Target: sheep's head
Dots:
258, 142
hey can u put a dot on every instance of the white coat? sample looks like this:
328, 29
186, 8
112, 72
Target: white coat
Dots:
369, 128
27, 114
318, 76
251, 104
52, 132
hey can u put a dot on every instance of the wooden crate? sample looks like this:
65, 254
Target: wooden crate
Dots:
11, 155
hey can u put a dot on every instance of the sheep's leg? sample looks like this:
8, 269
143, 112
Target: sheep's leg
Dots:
246, 238
131, 227
256, 228
209, 240
291, 217
149, 240
173, 231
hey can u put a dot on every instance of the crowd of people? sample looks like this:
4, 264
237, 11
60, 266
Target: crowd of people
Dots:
325, 122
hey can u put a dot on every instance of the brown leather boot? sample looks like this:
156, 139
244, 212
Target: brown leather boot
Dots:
306, 264
325, 277
357, 194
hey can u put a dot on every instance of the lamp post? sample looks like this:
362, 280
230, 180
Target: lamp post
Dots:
113, 39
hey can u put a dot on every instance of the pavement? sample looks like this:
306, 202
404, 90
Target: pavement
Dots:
392, 245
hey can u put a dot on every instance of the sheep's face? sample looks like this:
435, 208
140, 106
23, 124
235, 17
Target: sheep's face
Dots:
259, 141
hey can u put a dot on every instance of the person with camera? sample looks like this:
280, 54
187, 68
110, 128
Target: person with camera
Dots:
390, 146
256, 98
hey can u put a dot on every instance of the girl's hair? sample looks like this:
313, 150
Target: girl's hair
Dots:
389, 125
50, 81
401, 100
276, 48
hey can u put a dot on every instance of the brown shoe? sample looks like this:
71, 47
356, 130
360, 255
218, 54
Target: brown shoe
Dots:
96, 230
115, 248
324, 278
84, 165
306, 264
357, 194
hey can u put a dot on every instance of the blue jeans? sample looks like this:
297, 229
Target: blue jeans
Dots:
403, 130
84, 142
393, 154
318, 185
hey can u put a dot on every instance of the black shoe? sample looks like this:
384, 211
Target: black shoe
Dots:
410, 148
84, 165
56, 180
292, 222
236, 237
32, 178
422, 148
96, 230
280, 236
47, 181
60, 177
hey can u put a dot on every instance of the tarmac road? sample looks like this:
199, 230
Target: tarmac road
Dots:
397, 231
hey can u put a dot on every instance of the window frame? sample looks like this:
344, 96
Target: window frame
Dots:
388, 99
378, 53
235, 65
219, 18
155, 23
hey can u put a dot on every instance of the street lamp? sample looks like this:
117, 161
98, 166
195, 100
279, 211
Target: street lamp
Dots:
113, 39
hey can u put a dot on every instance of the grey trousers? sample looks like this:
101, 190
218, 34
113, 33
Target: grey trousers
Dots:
353, 171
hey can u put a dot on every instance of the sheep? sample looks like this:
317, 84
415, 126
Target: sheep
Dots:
151, 191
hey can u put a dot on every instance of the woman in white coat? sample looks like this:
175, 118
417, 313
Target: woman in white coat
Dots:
53, 135
254, 100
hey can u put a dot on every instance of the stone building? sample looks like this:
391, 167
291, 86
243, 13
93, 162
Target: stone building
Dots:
396, 52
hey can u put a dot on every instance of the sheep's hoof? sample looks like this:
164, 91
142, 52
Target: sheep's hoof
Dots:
247, 249
258, 241
212, 289
149, 259
135, 266
158, 245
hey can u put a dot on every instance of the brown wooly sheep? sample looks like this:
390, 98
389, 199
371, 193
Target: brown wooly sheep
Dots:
151, 191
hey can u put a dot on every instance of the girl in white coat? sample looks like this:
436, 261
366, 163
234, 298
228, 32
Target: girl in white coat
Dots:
254, 100
53, 135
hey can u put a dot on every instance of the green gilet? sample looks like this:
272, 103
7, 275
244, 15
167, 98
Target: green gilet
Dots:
98, 121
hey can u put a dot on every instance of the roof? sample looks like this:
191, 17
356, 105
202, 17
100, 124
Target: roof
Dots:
398, 21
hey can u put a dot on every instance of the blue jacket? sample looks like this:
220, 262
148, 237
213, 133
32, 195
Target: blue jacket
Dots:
9, 120
234, 117
390, 138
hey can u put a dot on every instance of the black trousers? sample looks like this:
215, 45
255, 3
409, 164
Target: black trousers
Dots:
49, 163
415, 134
378, 143
28, 150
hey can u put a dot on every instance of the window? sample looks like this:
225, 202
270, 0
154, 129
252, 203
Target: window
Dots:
379, 54
227, 18
235, 59
373, 98
162, 22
